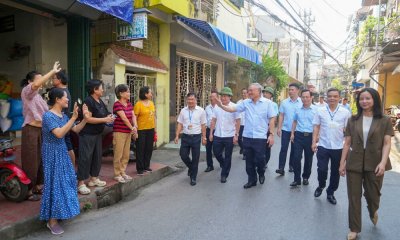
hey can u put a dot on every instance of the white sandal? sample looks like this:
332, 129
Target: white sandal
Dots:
82, 189
127, 177
119, 179
97, 183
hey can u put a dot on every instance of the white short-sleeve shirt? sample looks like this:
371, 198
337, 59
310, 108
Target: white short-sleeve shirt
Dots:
225, 121
332, 125
192, 120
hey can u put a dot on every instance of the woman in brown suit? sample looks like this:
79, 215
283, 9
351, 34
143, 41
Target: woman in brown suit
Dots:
365, 157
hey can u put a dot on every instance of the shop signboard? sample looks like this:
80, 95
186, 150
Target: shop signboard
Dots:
134, 31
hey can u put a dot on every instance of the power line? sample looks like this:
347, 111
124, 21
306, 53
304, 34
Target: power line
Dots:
334, 9
309, 35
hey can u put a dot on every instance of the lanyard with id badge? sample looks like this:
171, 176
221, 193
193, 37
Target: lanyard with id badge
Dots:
332, 124
190, 126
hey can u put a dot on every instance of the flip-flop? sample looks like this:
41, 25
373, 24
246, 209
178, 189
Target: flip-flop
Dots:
33, 198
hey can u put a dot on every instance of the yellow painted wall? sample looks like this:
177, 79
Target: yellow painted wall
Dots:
119, 74
182, 7
162, 85
392, 88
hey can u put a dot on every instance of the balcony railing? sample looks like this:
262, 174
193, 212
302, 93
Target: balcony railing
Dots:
206, 10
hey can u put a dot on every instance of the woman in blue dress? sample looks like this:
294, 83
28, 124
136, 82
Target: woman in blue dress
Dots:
60, 198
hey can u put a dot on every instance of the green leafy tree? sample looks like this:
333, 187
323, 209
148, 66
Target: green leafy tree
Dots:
336, 83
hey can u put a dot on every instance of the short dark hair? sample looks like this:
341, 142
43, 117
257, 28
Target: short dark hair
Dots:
345, 99
214, 91
62, 75
305, 90
143, 91
29, 78
243, 89
377, 108
93, 85
296, 85
190, 94
121, 88
54, 94
333, 90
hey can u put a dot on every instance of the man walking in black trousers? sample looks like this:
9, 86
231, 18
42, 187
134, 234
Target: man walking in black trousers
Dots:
192, 120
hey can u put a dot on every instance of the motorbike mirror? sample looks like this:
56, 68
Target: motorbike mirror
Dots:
79, 102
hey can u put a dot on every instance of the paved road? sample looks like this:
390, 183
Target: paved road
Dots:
172, 209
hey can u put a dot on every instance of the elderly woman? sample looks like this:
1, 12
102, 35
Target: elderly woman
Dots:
90, 138
124, 128
33, 109
60, 199
365, 157
146, 119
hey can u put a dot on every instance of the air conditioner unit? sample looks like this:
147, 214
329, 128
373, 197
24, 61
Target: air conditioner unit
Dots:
363, 75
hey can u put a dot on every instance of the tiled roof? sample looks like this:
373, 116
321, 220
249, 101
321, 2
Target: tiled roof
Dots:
138, 58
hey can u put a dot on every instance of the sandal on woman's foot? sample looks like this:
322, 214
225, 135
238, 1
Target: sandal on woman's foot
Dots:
127, 177
82, 189
97, 182
352, 236
33, 197
119, 179
56, 229
374, 219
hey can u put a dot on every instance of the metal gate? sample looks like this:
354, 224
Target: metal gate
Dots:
136, 81
194, 76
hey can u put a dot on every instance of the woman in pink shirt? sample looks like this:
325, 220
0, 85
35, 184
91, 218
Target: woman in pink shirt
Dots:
33, 109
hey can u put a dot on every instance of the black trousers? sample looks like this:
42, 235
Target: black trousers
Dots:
144, 149
267, 153
255, 161
323, 157
191, 143
302, 142
223, 148
240, 140
90, 154
209, 147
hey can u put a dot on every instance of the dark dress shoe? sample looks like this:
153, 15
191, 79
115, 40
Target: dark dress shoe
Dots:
331, 199
305, 181
295, 184
223, 179
192, 181
280, 171
261, 179
209, 169
318, 192
291, 169
249, 185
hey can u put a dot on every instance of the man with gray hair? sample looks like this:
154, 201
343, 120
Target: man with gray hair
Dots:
260, 116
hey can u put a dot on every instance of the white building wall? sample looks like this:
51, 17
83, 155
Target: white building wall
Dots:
230, 23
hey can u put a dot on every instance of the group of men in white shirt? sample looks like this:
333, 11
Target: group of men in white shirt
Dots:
309, 128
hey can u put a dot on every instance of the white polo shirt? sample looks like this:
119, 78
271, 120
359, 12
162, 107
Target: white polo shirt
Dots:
192, 120
209, 114
332, 125
225, 121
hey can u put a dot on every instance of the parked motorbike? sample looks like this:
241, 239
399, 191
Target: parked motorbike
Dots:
14, 183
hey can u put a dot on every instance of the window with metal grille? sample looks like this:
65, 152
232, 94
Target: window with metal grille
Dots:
136, 81
194, 76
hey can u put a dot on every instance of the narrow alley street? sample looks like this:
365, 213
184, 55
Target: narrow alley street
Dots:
172, 209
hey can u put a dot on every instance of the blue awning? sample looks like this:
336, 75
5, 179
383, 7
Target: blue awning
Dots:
229, 43
122, 9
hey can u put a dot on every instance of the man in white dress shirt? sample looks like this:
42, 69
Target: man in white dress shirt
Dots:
226, 133
192, 120
328, 136
209, 145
